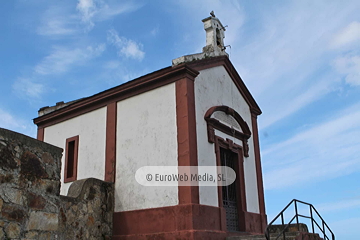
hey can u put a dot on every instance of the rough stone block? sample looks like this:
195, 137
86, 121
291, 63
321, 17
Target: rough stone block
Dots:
7, 158
2, 234
43, 221
36, 201
6, 178
47, 158
47, 187
12, 195
31, 166
13, 230
45, 236
32, 235
13, 213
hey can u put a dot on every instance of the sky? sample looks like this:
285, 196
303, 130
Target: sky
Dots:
299, 59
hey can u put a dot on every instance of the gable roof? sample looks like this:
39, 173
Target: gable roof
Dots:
226, 63
63, 111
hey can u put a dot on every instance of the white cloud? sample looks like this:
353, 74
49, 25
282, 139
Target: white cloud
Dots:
324, 151
9, 121
132, 49
349, 34
29, 88
347, 228
55, 27
112, 64
108, 11
115, 72
14, 123
62, 59
283, 62
61, 20
349, 65
98, 10
56, 21
126, 47
155, 31
340, 205
300, 100
87, 9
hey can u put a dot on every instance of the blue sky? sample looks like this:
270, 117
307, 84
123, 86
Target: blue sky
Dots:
300, 60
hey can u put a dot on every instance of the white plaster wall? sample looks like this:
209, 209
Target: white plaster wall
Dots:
214, 87
91, 128
146, 136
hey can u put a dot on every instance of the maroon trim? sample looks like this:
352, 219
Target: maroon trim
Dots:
240, 179
121, 92
110, 153
259, 179
75, 162
225, 62
143, 84
233, 113
186, 137
213, 123
40, 133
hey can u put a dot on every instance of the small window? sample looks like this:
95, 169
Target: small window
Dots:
71, 159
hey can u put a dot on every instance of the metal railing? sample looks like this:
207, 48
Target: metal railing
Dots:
312, 209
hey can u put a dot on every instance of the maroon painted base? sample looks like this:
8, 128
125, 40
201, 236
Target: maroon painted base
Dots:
179, 235
186, 221
255, 223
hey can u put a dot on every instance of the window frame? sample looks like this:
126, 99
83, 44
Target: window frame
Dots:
213, 124
74, 159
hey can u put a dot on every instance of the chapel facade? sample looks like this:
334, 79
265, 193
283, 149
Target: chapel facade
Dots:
196, 112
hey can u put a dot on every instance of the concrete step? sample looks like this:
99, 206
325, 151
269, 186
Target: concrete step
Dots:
288, 236
247, 237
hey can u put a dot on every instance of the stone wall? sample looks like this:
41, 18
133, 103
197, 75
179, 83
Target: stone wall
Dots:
87, 211
309, 236
30, 203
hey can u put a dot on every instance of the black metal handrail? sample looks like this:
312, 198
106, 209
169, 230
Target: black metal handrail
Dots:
297, 215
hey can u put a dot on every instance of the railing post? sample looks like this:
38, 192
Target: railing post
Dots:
323, 228
297, 217
312, 219
282, 224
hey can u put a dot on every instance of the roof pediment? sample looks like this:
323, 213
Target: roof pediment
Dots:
225, 62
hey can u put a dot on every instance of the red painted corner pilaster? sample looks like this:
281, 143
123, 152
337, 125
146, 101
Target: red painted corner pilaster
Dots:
187, 141
40, 133
110, 153
259, 178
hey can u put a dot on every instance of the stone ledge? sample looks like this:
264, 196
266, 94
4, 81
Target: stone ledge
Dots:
7, 135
